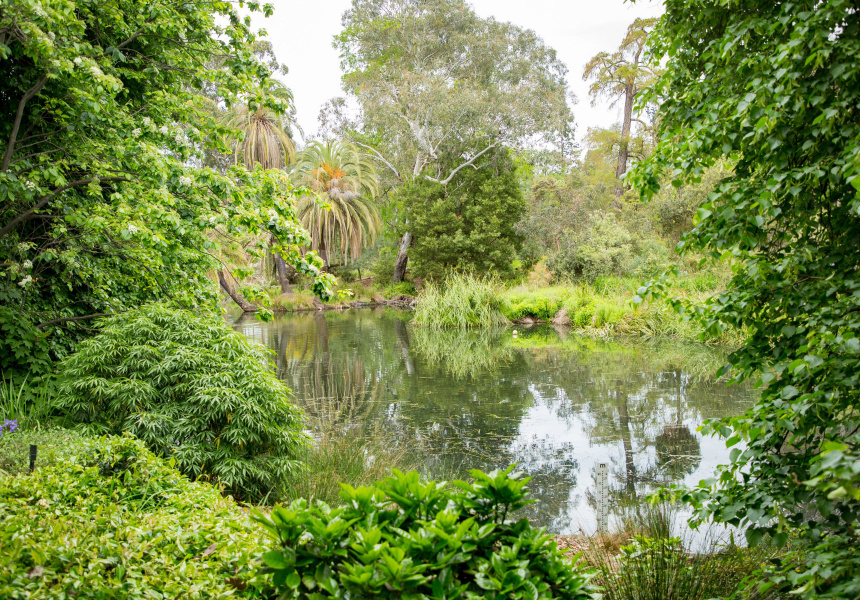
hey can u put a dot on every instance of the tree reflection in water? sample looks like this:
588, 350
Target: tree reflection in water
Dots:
552, 401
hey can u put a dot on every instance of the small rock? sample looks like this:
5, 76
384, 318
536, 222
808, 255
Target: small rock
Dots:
561, 318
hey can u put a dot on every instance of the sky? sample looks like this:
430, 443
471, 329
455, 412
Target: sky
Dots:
301, 32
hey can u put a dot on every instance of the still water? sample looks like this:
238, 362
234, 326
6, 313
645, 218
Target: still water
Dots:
557, 404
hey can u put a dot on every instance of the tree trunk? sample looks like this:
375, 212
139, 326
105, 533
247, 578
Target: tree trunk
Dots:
283, 275
623, 151
626, 438
402, 259
323, 252
236, 296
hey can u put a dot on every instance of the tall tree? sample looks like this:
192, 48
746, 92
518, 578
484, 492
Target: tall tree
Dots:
346, 180
621, 75
101, 208
434, 80
775, 87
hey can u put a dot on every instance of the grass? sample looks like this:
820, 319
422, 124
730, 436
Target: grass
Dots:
28, 405
461, 301
347, 448
647, 560
600, 308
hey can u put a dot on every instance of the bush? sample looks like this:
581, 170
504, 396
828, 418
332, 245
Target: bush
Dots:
407, 539
463, 301
404, 288
115, 521
604, 248
193, 390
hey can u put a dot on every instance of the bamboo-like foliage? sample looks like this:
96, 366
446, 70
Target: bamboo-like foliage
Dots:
193, 390
347, 181
268, 134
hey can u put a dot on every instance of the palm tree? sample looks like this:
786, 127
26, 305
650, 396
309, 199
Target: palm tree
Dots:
267, 133
346, 180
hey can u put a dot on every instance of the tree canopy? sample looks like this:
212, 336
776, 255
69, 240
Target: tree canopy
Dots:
775, 88
102, 208
434, 80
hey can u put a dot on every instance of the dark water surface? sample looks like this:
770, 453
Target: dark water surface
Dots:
555, 403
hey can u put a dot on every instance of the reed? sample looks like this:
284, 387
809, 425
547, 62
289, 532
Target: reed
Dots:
460, 302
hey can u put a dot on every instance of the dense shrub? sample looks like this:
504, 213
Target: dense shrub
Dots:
193, 390
114, 521
469, 226
407, 539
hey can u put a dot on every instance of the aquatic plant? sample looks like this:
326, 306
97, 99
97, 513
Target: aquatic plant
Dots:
460, 301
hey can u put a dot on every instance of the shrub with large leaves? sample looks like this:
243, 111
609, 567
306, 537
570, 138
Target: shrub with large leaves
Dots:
193, 390
407, 539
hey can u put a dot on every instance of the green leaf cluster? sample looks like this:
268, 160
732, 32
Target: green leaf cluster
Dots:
104, 126
470, 225
774, 88
416, 540
194, 391
114, 521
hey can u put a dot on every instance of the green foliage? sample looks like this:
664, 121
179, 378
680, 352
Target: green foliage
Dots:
408, 539
509, 85
404, 288
101, 206
28, 404
55, 445
775, 87
604, 247
460, 301
468, 226
111, 520
193, 390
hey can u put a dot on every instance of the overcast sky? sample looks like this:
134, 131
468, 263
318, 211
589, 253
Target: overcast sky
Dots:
302, 30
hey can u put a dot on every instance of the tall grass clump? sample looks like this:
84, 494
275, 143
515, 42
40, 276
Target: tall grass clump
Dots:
646, 560
28, 405
348, 447
461, 301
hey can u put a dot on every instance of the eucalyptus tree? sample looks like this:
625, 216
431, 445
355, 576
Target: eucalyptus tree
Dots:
432, 79
622, 74
775, 88
346, 181
102, 209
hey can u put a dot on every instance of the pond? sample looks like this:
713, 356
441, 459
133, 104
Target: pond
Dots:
557, 404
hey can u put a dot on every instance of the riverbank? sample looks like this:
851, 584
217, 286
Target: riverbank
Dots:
601, 308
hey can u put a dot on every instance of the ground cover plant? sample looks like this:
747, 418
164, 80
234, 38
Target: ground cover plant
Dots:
410, 539
194, 391
112, 520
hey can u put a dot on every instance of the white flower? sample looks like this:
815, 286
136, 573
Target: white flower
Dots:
135, 132
185, 180
179, 138
52, 35
28, 264
132, 229
213, 219
29, 185
25, 281
78, 60
95, 71
273, 214
164, 130
146, 121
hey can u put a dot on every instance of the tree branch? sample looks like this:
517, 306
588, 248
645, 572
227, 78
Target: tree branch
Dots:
45, 199
380, 157
469, 162
10, 146
66, 319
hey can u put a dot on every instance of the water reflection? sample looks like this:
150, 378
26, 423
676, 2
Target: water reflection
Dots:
557, 404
